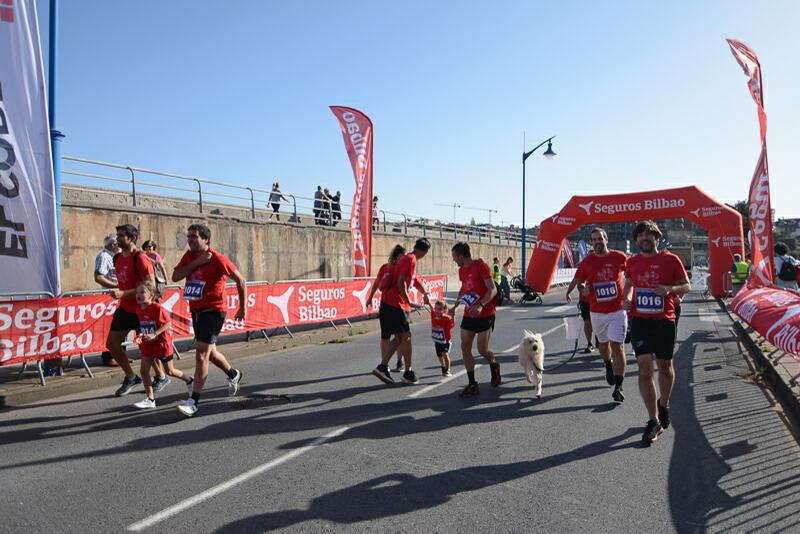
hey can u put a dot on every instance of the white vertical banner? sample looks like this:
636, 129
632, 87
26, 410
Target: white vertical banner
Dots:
28, 236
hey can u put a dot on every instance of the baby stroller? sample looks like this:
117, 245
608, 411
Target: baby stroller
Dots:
528, 294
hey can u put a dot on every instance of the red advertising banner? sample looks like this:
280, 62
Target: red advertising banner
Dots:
773, 313
357, 133
52, 328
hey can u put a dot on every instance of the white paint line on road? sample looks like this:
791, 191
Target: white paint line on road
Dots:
559, 309
464, 371
225, 486
520, 311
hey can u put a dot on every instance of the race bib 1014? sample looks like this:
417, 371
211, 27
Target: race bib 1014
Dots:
193, 290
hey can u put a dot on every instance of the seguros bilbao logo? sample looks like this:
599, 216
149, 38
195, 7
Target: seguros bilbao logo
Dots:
597, 208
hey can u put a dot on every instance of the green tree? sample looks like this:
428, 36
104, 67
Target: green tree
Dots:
741, 207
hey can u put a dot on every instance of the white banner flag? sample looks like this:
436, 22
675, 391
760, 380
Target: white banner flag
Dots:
28, 236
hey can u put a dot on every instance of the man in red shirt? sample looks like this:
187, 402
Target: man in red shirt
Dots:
602, 272
131, 267
477, 294
206, 272
393, 313
653, 281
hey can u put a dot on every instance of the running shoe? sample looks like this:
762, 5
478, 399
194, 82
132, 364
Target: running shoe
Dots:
233, 383
400, 366
618, 397
609, 373
383, 373
410, 377
470, 391
145, 404
496, 380
187, 408
446, 372
127, 385
160, 383
588, 349
652, 431
663, 415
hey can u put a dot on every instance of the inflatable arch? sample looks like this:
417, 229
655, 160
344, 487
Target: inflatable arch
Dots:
724, 226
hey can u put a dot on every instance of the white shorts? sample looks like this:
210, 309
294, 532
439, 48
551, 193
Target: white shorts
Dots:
610, 326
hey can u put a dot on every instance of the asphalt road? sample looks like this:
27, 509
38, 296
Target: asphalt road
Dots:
315, 442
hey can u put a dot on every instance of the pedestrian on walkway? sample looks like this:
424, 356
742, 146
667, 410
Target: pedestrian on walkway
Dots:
376, 222
393, 313
506, 274
477, 294
155, 341
206, 271
602, 273
740, 270
150, 248
653, 279
336, 206
318, 205
275, 199
786, 268
106, 277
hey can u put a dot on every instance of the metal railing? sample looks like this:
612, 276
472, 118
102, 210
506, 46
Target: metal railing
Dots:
151, 188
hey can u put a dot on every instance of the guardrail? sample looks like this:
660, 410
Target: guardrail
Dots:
143, 186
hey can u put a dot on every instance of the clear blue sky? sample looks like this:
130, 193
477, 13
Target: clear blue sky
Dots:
642, 95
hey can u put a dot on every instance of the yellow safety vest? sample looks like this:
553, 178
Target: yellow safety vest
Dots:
739, 275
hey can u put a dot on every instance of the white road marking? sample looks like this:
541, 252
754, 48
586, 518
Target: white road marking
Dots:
225, 486
464, 371
559, 309
520, 311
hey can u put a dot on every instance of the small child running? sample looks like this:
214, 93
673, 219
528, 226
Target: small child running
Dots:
155, 341
442, 324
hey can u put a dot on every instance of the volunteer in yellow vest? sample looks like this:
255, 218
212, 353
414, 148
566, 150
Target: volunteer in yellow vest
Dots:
496, 271
739, 273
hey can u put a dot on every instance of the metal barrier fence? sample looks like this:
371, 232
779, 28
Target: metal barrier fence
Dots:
143, 185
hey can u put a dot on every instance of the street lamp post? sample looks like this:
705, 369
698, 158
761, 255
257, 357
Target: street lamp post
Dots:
549, 154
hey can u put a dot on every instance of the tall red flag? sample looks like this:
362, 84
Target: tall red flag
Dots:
357, 134
568, 253
758, 202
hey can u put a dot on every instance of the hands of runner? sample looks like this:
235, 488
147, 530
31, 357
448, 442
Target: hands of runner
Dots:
475, 309
146, 337
627, 305
662, 290
203, 258
569, 298
240, 313
117, 293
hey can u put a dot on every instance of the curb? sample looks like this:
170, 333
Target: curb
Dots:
775, 375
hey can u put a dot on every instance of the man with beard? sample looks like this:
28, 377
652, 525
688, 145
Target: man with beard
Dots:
653, 281
602, 272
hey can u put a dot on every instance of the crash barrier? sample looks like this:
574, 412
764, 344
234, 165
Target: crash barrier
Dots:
77, 324
563, 276
774, 314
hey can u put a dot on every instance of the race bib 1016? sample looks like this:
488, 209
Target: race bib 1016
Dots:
648, 302
605, 291
193, 290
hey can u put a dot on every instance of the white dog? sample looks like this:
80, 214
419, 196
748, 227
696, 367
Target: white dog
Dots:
531, 358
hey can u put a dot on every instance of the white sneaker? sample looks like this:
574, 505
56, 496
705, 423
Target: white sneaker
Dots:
187, 408
233, 383
145, 403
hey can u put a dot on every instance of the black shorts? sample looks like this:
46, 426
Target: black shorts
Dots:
478, 324
123, 321
441, 348
207, 325
583, 306
166, 359
275, 207
653, 336
393, 321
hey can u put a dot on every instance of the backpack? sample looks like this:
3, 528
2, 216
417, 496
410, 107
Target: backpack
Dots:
498, 297
159, 274
788, 270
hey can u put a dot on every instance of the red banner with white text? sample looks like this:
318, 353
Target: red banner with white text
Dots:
52, 328
357, 134
773, 313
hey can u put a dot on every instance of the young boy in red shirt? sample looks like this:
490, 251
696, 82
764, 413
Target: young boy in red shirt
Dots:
442, 325
155, 341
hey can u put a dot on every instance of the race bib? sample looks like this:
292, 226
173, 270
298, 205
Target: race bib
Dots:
605, 291
147, 327
193, 290
468, 299
438, 335
648, 302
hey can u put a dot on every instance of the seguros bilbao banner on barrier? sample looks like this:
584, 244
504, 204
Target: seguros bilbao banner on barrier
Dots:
773, 313
52, 328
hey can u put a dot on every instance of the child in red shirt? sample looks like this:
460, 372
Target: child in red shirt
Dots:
155, 341
442, 324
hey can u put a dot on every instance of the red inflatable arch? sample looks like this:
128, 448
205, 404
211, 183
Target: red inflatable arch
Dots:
724, 226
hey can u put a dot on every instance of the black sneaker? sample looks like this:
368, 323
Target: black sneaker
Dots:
609, 373
383, 373
652, 431
470, 391
618, 397
127, 385
663, 415
495, 369
588, 349
400, 366
410, 377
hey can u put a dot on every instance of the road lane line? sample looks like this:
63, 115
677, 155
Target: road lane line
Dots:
464, 371
225, 486
559, 309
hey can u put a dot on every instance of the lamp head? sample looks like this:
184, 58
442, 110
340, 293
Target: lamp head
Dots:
549, 153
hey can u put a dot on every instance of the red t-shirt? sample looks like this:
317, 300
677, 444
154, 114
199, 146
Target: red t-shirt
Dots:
384, 277
205, 286
442, 328
646, 272
473, 287
603, 274
128, 276
151, 319
405, 266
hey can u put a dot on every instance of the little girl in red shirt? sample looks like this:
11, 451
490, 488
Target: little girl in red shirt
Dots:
442, 324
